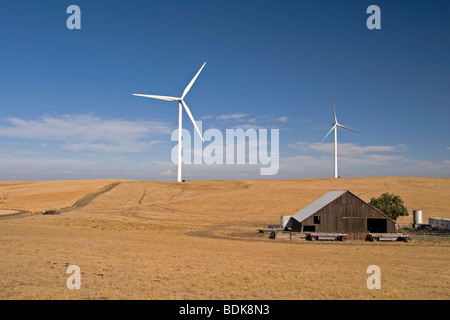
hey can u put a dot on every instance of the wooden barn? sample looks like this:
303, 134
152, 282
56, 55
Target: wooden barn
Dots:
340, 212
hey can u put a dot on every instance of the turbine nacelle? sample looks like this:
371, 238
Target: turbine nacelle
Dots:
180, 100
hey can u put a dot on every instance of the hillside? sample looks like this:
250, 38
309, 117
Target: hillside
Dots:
199, 240
252, 200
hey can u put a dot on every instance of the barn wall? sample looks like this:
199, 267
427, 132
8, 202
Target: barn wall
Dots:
347, 214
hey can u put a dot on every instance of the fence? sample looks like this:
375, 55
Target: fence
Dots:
430, 236
424, 235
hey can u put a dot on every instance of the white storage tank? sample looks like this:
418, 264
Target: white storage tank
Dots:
418, 217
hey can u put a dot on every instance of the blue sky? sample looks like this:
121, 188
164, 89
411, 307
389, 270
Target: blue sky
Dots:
67, 110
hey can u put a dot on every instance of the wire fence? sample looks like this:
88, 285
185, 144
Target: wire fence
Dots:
430, 236
425, 235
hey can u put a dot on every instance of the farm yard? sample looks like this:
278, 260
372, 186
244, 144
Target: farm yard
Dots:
200, 240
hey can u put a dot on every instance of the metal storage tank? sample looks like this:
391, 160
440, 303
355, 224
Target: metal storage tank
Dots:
418, 217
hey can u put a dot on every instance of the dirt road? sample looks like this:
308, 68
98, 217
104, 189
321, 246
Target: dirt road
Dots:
83, 202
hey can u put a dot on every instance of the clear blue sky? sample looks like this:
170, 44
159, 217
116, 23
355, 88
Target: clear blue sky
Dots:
67, 110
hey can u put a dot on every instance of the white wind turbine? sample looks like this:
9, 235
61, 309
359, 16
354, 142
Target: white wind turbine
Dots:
181, 104
335, 125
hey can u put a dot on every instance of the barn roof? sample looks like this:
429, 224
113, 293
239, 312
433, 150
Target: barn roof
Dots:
315, 206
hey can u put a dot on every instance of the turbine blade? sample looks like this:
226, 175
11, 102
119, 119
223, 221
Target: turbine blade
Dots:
329, 133
192, 82
157, 97
334, 112
192, 119
344, 127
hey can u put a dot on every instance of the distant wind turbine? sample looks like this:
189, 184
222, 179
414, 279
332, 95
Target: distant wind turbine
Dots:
181, 104
335, 125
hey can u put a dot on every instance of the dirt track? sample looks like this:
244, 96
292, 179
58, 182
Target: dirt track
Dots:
83, 202
17, 214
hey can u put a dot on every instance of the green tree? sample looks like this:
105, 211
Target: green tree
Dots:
390, 204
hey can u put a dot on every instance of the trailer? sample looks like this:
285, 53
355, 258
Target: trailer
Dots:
388, 237
286, 235
326, 236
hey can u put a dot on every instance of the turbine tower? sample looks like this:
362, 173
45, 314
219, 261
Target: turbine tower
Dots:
334, 127
181, 104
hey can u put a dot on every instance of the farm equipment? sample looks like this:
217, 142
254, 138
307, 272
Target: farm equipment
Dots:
388, 237
326, 236
285, 235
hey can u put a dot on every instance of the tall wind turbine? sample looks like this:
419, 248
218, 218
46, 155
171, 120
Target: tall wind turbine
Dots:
335, 126
181, 104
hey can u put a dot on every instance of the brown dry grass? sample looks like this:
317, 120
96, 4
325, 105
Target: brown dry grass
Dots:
199, 240
44, 195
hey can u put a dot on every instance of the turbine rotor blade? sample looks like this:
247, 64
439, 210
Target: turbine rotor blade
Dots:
344, 127
192, 82
329, 133
334, 112
157, 97
192, 119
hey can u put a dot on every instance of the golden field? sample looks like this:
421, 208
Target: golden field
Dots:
199, 240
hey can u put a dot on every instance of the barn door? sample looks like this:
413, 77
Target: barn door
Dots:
377, 225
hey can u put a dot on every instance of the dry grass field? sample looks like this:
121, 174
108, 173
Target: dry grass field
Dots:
199, 240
